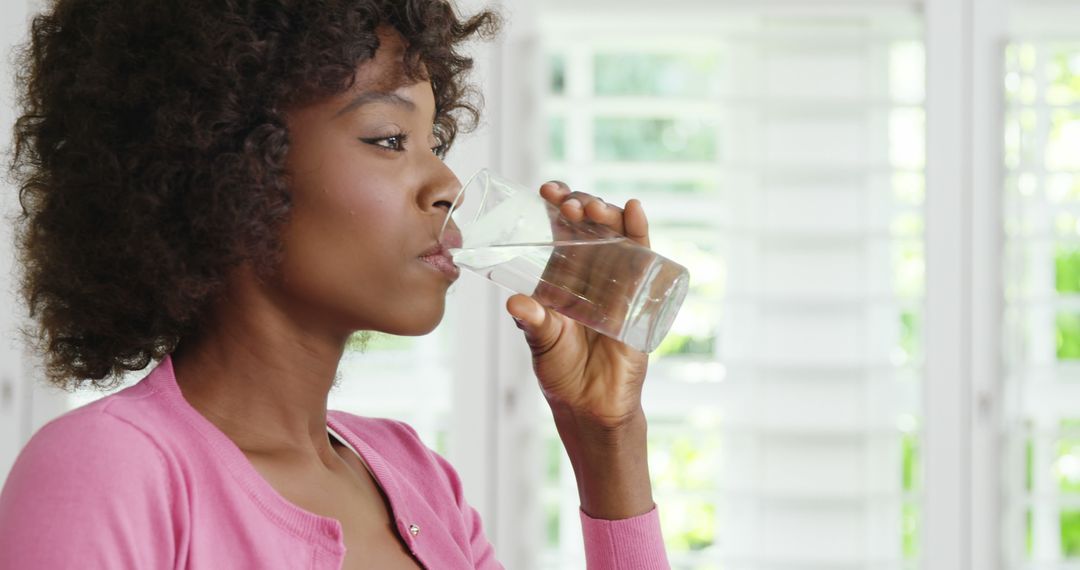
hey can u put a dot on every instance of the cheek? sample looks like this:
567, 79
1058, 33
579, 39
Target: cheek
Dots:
345, 228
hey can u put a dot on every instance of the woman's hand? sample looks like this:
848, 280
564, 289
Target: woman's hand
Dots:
591, 381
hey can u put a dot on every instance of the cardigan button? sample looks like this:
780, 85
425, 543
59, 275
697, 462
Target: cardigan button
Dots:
414, 529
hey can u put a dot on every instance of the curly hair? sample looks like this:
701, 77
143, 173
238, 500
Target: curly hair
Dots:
150, 149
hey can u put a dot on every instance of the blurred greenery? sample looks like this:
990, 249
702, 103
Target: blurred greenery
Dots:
1063, 140
909, 188
1070, 533
367, 341
551, 523
646, 187
654, 140
1029, 538
555, 457
910, 268
1029, 462
909, 444
1068, 336
557, 138
908, 224
1067, 462
1063, 70
910, 514
655, 74
1067, 269
1060, 187
910, 333
680, 463
557, 77
686, 344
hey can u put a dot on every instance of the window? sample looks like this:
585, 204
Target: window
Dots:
782, 162
1042, 205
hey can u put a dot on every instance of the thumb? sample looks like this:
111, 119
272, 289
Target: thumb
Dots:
542, 328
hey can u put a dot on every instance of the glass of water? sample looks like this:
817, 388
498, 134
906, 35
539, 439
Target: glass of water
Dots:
584, 270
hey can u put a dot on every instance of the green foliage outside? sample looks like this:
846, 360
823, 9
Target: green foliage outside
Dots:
557, 138
1063, 68
910, 513
368, 341
910, 333
684, 466
909, 188
686, 344
1070, 533
657, 189
557, 74
654, 140
1068, 336
551, 523
1067, 269
656, 75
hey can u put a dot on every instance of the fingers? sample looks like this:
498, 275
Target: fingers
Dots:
635, 222
578, 205
541, 326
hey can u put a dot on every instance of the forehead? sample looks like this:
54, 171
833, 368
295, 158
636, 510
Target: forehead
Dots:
386, 71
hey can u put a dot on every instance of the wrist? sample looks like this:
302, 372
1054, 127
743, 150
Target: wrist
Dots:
610, 462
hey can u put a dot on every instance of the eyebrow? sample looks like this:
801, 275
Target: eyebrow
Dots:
376, 97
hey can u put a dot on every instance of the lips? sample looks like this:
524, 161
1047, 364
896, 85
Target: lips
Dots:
439, 258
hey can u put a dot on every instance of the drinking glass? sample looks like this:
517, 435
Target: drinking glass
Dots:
510, 235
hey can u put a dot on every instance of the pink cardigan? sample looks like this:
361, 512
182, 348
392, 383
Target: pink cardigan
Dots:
141, 480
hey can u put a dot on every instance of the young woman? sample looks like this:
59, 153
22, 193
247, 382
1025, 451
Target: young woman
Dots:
232, 188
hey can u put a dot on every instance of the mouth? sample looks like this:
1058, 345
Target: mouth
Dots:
439, 258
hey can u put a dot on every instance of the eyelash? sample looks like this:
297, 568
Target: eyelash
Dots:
439, 150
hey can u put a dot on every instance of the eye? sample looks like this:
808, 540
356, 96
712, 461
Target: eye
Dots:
393, 142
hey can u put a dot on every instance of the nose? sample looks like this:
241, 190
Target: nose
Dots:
443, 188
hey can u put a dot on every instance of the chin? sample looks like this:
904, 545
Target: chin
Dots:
416, 323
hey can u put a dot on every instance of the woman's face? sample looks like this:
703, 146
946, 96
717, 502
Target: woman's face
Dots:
370, 196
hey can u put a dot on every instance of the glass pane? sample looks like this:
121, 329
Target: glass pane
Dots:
1067, 269
557, 74
791, 328
557, 138
907, 138
1068, 336
662, 75
608, 187
907, 72
654, 140
1063, 74
910, 268
1063, 145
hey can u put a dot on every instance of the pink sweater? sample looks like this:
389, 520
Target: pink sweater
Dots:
141, 480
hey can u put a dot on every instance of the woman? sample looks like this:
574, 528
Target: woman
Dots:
233, 188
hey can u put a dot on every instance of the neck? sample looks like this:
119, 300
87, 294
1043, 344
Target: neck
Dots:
260, 376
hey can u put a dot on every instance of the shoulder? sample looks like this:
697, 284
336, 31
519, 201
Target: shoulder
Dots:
86, 447
88, 461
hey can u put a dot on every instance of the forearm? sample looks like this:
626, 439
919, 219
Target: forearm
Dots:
610, 464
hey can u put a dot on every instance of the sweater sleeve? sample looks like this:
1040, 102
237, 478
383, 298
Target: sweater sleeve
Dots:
90, 491
634, 543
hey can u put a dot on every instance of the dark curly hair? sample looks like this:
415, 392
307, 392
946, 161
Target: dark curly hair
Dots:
150, 153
